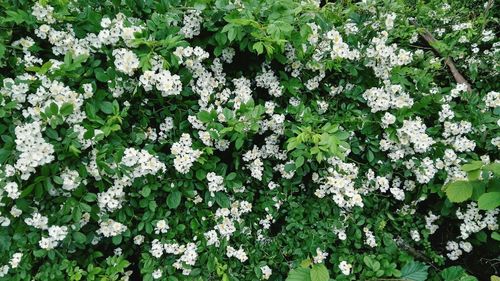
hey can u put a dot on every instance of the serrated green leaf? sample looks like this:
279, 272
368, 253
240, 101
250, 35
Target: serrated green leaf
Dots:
299, 274
319, 272
414, 271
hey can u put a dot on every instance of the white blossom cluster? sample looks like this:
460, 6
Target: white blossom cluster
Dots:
320, 256
339, 182
473, 221
161, 80
383, 57
455, 250
184, 154
35, 151
239, 254
126, 61
429, 222
390, 96
14, 263
192, 23
56, 235
266, 272
188, 254
345, 267
110, 228
369, 238
215, 183
268, 80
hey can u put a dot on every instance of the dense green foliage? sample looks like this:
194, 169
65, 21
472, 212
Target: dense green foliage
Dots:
249, 140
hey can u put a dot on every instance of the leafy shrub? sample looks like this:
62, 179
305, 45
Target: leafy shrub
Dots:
249, 140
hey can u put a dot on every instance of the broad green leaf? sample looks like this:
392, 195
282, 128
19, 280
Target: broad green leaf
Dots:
489, 200
299, 161
299, 274
174, 199
414, 271
319, 272
222, 200
459, 191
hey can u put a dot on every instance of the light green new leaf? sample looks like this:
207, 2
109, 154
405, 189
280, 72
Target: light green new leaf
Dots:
299, 274
459, 191
319, 272
489, 200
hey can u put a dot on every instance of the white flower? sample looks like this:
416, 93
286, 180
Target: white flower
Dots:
126, 61
345, 267
266, 272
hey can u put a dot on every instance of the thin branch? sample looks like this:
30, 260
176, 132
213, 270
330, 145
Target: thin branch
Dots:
459, 78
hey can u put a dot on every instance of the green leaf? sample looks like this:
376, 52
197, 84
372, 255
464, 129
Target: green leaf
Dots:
239, 143
489, 200
299, 274
222, 200
106, 107
174, 199
459, 191
319, 273
299, 161
474, 165
201, 174
66, 109
414, 271
495, 235
79, 237
231, 176
258, 47
101, 75
204, 116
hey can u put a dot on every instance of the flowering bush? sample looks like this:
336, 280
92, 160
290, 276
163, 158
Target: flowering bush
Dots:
249, 140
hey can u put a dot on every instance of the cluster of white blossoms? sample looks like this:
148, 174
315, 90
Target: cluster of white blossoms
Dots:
184, 154
126, 61
455, 249
266, 272
191, 23
345, 267
473, 221
390, 96
141, 163
35, 151
429, 222
56, 235
255, 164
71, 179
215, 183
239, 254
413, 133
268, 80
110, 228
492, 99
384, 57
163, 81
12, 189
185, 261
454, 134
161, 227
320, 256
369, 238
14, 263
339, 182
